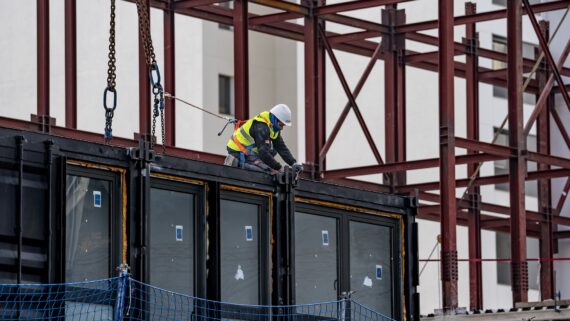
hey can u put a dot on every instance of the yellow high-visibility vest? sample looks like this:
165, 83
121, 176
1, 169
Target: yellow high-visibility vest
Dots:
242, 141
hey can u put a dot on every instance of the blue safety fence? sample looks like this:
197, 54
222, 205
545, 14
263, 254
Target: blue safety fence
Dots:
123, 298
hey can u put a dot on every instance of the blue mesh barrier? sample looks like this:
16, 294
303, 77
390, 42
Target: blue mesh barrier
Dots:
123, 298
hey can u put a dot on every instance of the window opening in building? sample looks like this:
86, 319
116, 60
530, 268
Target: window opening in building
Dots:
226, 95
316, 258
503, 247
239, 252
171, 240
370, 266
502, 166
500, 45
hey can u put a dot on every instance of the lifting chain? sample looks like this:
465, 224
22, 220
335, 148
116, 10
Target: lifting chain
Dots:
111, 79
154, 72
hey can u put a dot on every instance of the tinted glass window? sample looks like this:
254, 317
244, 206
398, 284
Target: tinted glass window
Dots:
87, 237
316, 276
371, 266
239, 252
171, 229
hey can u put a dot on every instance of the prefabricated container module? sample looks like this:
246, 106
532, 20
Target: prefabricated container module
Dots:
74, 211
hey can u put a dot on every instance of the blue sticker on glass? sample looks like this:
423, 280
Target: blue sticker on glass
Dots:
179, 233
97, 199
378, 272
249, 233
325, 235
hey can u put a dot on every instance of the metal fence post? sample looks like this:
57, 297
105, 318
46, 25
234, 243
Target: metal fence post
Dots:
120, 300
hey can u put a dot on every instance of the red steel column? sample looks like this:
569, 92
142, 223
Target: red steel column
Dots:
314, 90
144, 89
394, 93
474, 193
70, 64
544, 185
43, 108
517, 164
447, 155
169, 77
241, 60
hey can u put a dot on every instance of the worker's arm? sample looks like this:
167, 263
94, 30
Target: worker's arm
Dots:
260, 133
283, 151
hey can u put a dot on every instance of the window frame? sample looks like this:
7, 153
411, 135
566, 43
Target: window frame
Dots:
198, 234
264, 249
114, 213
344, 217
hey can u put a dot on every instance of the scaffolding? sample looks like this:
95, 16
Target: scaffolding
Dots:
393, 30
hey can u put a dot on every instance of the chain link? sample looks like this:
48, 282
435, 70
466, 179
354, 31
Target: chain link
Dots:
154, 72
111, 78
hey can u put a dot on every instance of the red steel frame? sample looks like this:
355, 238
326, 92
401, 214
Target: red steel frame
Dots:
393, 30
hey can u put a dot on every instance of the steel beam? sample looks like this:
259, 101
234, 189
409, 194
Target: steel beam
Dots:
546, 91
473, 145
348, 105
474, 194
447, 156
355, 5
351, 99
408, 165
481, 17
544, 185
314, 90
547, 54
272, 18
169, 78
241, 59
70, 64
394, 93
485, 180
43, 107
517, 163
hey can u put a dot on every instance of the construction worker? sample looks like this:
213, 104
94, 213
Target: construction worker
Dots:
255, 143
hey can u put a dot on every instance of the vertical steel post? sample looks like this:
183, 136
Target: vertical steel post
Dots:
394, 93
447, 155
471, 40
314, 89
144, 88
71, 64
544, 185
517, 163
169, 76
241, 59
43, 108
20, 140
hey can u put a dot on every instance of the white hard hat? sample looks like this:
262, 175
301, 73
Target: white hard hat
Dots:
283, 113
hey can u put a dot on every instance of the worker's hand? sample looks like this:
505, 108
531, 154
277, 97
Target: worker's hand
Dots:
298, 167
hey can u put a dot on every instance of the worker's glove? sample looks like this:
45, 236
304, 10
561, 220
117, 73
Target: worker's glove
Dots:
298, 167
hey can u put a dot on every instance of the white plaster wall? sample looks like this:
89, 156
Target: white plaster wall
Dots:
18, 89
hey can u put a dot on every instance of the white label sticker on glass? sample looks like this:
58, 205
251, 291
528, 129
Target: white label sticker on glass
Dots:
325, 235
367, 282
97, 199
239, 274
249, 233
378, 272
179, 233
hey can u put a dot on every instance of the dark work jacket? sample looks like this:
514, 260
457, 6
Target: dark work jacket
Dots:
260, 133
